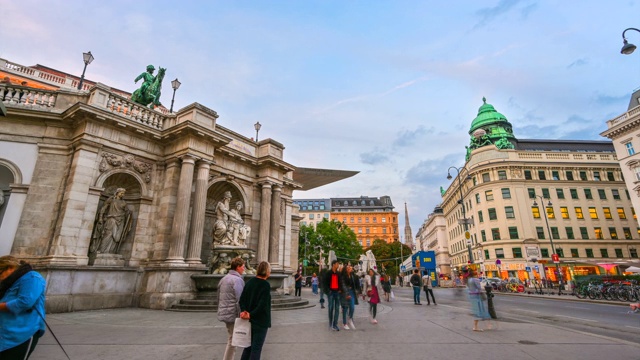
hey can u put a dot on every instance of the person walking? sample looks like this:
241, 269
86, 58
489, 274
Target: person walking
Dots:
323, 289
428, 288
21, 308
386, 287
314, 284
372, 289
416, 281
350, 295
255, 306
476, 298
334, 285
298, 279
229, 292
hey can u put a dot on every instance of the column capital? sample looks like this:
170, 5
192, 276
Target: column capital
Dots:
204, 163
188, 158
266, 184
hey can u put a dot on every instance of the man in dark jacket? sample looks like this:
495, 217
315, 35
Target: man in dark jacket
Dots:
334, 284
416, 283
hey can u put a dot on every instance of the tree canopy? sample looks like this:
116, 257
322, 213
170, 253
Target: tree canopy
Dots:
328, 235
389, 256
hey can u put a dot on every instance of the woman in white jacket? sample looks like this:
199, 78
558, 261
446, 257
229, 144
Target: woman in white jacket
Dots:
373, 290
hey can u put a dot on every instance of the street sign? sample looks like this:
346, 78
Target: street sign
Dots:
468, 221
528, 268
469, 242
555, 258
305, 262
498, 262
403, 268
536, 267
467, 235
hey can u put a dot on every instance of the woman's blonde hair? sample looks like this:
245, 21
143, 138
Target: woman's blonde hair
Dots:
263, 269
8, 262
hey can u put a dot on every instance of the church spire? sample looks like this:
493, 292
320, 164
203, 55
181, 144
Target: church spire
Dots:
408, 237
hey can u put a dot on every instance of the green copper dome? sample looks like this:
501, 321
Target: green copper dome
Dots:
487, 115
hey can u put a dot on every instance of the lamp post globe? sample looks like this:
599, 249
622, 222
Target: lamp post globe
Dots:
87, 58
627, 48
175, 84
257, 126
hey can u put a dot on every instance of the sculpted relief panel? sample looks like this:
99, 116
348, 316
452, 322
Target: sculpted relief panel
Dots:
110, 161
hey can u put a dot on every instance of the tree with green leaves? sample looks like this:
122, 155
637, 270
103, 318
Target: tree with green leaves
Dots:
328, 235
389, 256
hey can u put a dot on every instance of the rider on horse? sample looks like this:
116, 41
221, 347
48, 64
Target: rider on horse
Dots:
148, 78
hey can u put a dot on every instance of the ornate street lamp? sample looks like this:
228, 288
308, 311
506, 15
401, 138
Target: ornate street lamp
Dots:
257, 126
88, 58
553, 249
175, 84
465, 221
627, 49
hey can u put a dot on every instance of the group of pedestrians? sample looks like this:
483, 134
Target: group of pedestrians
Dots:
250, 301
423, 282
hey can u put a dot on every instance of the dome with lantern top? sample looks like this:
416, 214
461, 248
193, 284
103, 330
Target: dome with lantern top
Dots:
490, 128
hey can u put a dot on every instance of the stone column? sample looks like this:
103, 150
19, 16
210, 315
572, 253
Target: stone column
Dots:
274, 233
197, 216
181, 217
265, 223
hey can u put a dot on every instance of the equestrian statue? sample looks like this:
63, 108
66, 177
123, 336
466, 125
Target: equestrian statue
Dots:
149, 92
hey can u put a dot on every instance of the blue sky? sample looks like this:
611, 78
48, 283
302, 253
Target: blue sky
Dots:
388, 88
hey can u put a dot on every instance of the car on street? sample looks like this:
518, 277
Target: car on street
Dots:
490, 281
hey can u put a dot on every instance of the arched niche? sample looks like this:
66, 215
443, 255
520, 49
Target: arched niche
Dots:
7, 177
133, 196
127, 176
215, 193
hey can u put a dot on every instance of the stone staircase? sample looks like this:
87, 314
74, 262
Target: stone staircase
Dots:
209, 303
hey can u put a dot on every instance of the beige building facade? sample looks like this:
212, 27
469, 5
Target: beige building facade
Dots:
432, 236
520, 196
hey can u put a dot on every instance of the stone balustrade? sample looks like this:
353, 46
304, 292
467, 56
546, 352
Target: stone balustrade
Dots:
22, 96
63, 81
101, 97
628, 115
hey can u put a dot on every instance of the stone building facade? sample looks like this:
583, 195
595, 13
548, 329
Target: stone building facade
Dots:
64, 152
510, 185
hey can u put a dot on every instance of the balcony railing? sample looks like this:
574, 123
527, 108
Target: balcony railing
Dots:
20, 96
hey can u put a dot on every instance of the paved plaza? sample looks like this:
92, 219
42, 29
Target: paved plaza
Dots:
404, 330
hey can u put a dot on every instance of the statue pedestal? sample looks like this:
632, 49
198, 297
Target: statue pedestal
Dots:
109, 260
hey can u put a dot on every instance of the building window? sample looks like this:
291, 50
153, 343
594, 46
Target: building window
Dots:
574, 193
545, 193
368, 242
607, 213
517, 252
351, 220
604, 253
596, 175
527, 175
495, 233
477, 198
598, 232
614, 233
499, 254
506, 193
359, 230
618, 252
560, 193
574, 253
502, 175
384, 230
627, 233
555, 175
509, 212
560, 251
311, 216
475, 181
564, 211
486, 177
359, 220
344, 220
579, 214
367, 231
601, 194
483, 234
569, 231
544, 252
492, 214
630, 149
555, 233
536, 212
633, 253
513, 232
550, 214
384, 219
583, 175
584, 233
587, 194
488, 195
592, 213
541, 175
589, 253
366, 220
480, 216
486, 254
375, 220
610, 176
540, 232
569, 175
532, 193
616, 194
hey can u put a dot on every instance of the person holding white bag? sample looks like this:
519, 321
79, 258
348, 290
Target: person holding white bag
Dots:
255, 306
229, 291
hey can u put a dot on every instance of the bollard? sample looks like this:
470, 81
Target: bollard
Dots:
492, 309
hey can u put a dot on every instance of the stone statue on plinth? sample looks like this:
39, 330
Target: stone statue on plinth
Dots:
113, 223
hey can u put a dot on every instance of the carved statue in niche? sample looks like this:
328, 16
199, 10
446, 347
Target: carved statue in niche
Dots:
113, 223
223, 262
229, 228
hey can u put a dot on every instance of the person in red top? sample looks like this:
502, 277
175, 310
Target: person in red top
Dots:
333, 283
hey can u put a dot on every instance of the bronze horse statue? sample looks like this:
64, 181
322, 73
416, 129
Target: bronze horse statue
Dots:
150, 96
